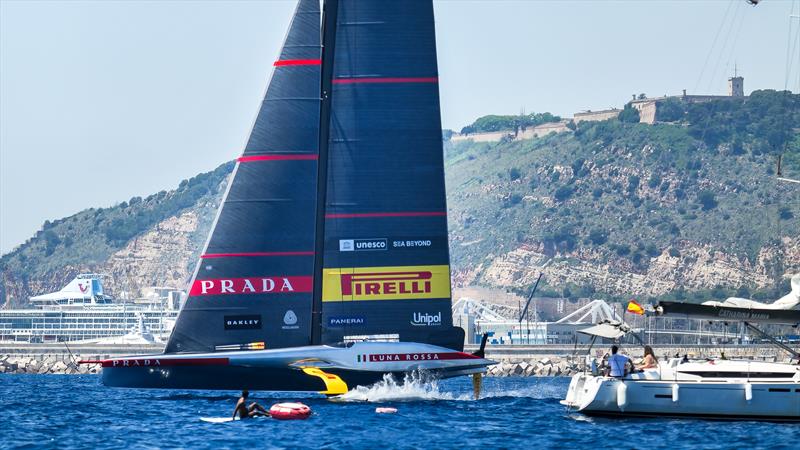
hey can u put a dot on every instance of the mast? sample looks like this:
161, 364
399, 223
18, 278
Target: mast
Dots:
330, 11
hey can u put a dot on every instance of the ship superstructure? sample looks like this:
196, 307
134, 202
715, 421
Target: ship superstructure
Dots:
82, 312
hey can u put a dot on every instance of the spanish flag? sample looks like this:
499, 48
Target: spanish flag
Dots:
635, 308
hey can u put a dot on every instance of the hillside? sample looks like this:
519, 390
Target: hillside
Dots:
627, 208
621, 208
141, 242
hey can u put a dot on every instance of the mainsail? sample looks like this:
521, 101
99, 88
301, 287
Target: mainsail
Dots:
369, 204
253, 282
386, 260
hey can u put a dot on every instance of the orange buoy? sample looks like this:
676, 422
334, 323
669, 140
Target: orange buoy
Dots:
385, 410
289, 411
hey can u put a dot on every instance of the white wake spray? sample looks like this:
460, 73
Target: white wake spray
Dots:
414, 388
417, 387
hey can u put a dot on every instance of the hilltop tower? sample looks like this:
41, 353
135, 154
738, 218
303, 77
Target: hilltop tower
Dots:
735, 85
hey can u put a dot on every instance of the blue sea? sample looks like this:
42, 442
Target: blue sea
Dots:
63, 411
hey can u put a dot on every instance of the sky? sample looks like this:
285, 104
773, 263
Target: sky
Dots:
104, 101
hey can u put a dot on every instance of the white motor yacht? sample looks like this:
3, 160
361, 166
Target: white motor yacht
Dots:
721, 389
712, 388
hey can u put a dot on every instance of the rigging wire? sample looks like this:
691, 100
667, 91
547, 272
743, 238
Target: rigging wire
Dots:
713, 45
725, 41
790, 48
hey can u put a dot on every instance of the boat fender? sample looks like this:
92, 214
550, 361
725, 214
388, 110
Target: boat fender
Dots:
622, 396
289, 411
675, 392
385, 410
748, 392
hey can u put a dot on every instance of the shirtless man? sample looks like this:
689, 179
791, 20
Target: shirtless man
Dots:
247, 412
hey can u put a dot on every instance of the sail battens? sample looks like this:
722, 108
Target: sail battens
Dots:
386, 214
385, 80
385, 260
253, 281
255, 254
283, 157
297, 62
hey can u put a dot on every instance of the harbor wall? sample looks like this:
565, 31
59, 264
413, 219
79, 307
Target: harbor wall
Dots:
512, 360
47, 363
60, 359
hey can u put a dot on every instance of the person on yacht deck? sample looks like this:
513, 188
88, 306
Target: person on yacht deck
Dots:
617, 363
649, 361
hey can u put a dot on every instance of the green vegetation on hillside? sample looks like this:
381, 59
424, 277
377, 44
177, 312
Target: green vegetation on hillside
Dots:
91, 236
513, 123
628, 192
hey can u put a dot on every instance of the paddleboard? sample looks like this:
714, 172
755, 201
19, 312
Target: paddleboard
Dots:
218, 419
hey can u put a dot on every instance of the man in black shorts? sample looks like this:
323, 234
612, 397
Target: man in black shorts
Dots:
246, 412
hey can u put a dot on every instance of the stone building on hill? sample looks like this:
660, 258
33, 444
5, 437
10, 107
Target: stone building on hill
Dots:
648, 106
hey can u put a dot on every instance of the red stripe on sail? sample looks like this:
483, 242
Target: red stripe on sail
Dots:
298, 62
301, 157
395, 357
386, 214
158, 362
234, 255
375, 80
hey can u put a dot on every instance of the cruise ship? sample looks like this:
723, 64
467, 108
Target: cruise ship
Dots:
81, 312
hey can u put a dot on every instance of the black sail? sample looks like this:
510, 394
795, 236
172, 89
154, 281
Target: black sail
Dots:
253, 282
386, 258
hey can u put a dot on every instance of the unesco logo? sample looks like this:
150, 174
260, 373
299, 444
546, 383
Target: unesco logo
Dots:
362, 245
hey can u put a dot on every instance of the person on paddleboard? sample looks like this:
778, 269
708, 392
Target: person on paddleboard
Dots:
246, 412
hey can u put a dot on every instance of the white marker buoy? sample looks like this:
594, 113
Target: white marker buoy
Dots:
385, 410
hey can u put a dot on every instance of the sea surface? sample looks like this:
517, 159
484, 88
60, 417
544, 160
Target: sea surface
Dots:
69, 411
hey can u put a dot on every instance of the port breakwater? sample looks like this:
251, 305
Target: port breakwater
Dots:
552, 360
63, 359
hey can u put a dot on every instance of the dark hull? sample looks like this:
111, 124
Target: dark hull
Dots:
232, 378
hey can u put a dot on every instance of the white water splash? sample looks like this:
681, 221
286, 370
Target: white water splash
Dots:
414, 388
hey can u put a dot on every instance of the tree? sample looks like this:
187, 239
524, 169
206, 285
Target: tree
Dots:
622, 249
629, 114
670, 110
51, 241
598, 236
707, 199
633, 183
563, 193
